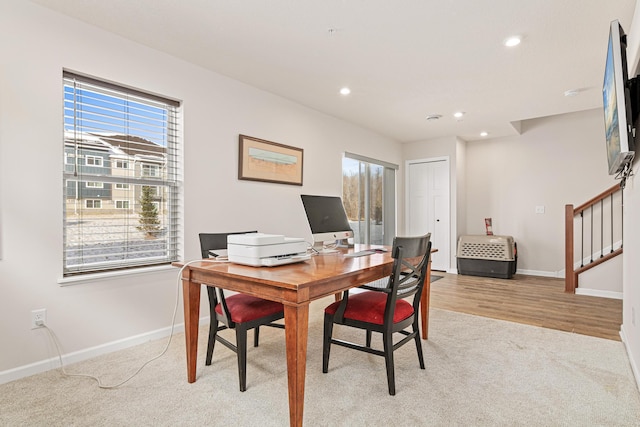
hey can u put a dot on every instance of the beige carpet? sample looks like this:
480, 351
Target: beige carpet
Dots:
480, 372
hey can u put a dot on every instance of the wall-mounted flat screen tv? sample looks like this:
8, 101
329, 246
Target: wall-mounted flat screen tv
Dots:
617, 98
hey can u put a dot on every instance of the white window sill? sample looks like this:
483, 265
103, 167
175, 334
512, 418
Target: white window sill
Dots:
86, 278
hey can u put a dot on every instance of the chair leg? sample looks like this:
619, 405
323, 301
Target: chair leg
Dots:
368, 340
326, 342
387, 338
256, 336
418, 345
213, 331
241, 344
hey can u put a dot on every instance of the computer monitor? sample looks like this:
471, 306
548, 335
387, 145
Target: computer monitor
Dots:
327, 220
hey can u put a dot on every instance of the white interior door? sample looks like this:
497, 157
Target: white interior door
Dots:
428, 207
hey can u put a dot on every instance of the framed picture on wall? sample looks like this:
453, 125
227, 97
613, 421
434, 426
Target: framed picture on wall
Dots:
266, 161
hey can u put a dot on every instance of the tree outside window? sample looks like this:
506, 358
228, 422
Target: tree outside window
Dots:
149, 221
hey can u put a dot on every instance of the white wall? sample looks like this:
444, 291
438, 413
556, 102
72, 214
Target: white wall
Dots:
36, 46
461, 198
604, 280
631, 255
556, 161
631, 273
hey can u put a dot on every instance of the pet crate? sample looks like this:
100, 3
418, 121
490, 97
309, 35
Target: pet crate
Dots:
488, 256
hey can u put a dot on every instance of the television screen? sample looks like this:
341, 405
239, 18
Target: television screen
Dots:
617, 102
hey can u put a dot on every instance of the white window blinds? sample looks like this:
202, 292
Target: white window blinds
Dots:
120, 177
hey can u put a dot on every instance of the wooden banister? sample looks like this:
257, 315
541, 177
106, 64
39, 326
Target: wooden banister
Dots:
570, 280
596, 199
570, 213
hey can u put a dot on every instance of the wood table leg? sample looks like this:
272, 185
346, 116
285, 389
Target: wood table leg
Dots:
191, 298
425, 299
296, 322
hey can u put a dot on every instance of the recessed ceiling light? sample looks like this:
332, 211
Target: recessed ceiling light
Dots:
512, 41
483, 134
458, 114
434, 116
345, 91
572, 92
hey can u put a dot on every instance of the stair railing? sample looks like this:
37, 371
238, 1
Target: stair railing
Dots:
603, 217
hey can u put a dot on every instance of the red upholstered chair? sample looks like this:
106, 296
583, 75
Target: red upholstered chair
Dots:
388, 310
240, 312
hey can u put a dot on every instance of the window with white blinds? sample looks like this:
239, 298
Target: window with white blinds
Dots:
121, 177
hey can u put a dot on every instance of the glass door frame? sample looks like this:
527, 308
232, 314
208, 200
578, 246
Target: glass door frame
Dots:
388, 202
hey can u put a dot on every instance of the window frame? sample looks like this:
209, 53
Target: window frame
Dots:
168, 176
122, 202
93, 204
145, 167
99, 161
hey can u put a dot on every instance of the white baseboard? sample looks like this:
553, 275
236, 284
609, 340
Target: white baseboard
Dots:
540, 273
634, 368
78, 356
598, 293
525, 272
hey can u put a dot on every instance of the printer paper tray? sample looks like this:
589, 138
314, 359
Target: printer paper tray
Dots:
269, 261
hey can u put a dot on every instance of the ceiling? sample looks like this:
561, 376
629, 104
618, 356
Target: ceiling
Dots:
402, 60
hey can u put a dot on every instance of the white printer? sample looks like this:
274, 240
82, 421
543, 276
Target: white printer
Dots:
260, 249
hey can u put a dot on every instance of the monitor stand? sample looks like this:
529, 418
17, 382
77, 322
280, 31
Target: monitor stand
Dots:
320, 249
343, 243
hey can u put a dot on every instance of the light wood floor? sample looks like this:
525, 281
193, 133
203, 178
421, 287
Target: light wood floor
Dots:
533, 300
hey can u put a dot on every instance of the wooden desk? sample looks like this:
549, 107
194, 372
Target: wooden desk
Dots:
295, 286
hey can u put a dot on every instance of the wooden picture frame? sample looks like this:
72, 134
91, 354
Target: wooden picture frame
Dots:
266, 161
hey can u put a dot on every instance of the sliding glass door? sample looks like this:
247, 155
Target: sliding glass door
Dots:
368, 194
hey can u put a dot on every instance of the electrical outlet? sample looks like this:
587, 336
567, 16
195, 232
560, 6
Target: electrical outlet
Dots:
539, 209
38, 318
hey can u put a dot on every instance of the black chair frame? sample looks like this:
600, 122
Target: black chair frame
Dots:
211, 242
407, 279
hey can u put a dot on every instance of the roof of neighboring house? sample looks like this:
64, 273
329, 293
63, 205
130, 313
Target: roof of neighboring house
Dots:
118, 145
133, 145
86, 141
